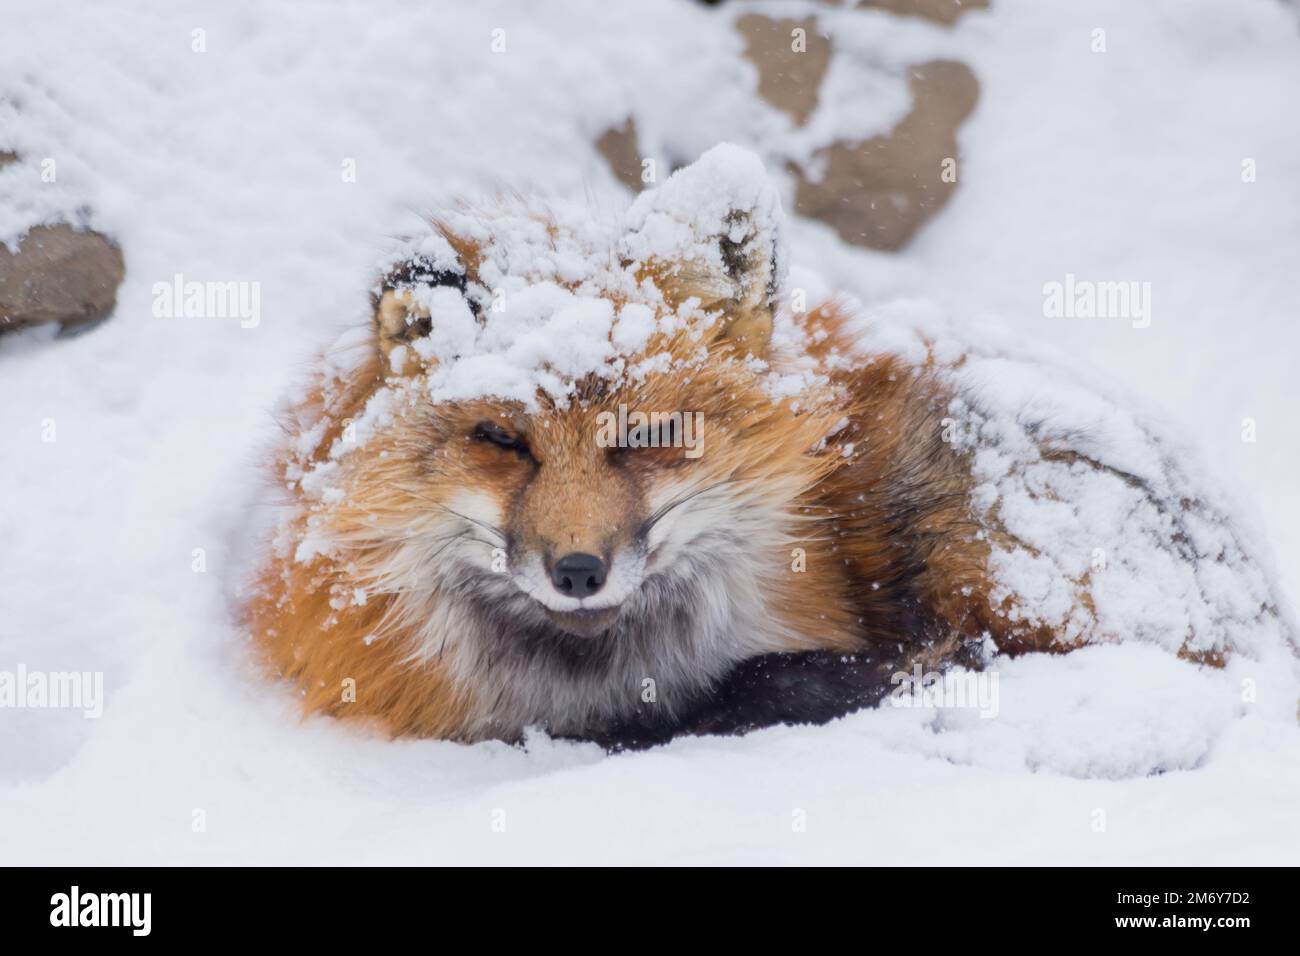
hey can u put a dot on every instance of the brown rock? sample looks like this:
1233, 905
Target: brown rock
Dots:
59, 275
877, 193
941, 11
619, 147
7, 157
788, 79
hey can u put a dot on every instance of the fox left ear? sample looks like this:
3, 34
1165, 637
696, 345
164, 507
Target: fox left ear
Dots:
713, 232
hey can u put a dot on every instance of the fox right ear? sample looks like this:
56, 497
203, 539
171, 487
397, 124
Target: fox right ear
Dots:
400, 319
712, 233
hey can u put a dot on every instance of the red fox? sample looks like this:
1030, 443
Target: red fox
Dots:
601, 481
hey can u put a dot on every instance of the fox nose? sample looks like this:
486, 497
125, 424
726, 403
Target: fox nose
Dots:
578, 575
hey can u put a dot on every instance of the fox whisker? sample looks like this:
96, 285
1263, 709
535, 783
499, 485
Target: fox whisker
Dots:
677, 502
489, 528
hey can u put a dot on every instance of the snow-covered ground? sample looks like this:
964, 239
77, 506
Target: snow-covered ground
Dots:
230, 164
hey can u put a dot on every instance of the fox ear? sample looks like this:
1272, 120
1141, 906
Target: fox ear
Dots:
398, 322
400, 317
713, 232
750, 265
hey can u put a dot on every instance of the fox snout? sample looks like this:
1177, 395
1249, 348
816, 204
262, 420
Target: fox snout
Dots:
573, 526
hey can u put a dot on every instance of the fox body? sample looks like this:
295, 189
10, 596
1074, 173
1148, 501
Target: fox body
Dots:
657, 503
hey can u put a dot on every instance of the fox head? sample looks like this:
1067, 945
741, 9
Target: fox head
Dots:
579, 449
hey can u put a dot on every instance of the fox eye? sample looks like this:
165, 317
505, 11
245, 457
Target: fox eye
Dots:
494, 433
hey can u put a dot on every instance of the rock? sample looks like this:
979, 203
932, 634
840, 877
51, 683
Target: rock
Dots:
788, 79
941, 11
877, 193
59, 274
7, 157
619, 147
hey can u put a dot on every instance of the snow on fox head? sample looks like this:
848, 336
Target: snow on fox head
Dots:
572, 445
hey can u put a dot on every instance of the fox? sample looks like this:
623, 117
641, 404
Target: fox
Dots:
603, 481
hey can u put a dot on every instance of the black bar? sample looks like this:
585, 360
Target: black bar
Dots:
218, 905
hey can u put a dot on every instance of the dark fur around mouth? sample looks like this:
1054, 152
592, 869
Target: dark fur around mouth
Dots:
584, 623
